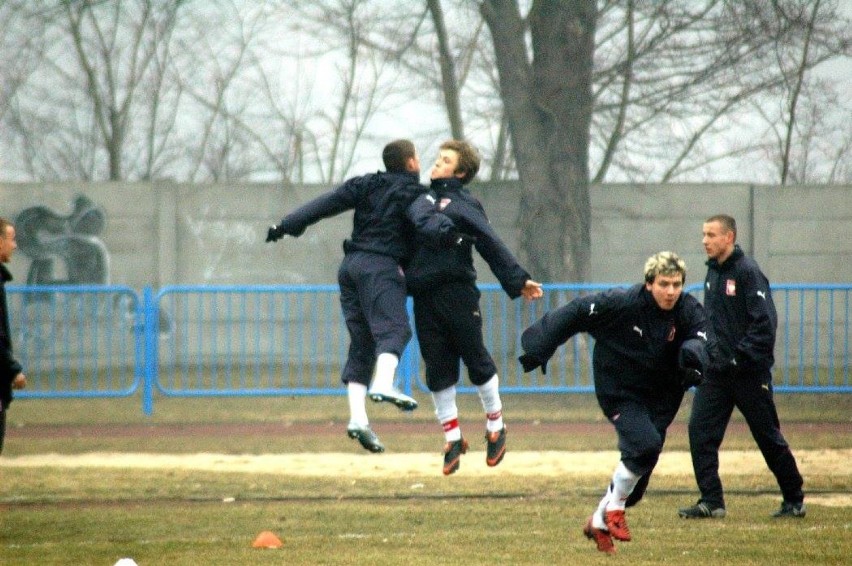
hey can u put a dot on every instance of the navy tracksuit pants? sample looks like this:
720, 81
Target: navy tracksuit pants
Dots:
712, 407
373, 297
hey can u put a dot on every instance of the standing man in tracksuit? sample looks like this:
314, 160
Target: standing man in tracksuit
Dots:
446, 303
741, 317
650, 347
372, 283
11, 373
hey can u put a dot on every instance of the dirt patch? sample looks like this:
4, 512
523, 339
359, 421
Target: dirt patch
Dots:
121, 430
829, 463
832, 463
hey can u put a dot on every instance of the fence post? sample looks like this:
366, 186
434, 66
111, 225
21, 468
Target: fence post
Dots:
151, 352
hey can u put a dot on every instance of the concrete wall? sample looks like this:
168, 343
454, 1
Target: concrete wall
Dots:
164, 234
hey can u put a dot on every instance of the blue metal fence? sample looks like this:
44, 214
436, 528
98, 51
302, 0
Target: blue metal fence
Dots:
107, 341
77, 341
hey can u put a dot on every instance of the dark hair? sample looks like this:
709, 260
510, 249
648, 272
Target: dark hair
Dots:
728, 223
468, 158
396, 154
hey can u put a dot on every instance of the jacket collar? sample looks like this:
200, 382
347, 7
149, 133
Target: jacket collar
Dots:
449, 184
735, 255
5, 274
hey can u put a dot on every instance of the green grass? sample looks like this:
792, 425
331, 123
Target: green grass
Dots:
184, 519
82, 516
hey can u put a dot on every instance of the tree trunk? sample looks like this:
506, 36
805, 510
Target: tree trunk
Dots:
548, 104
449, 82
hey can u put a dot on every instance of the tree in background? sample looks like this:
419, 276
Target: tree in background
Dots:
557, 94
548, 104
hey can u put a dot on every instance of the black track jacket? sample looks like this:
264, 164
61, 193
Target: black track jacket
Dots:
431, 266
639, 348
740, 312
382, 220
9, 367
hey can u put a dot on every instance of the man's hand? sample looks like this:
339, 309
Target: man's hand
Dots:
532, 290
19, 382
690, 377
274, 233
530, 362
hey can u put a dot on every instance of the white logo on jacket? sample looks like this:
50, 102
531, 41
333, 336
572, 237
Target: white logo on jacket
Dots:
638, 330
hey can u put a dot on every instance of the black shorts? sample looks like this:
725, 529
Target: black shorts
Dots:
449, 329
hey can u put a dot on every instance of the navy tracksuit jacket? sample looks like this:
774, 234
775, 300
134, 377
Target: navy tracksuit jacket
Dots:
638, 354
446, 299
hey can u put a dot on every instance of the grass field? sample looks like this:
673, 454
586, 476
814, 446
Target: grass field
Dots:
51, 514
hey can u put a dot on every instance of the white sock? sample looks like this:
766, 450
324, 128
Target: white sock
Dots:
598, 516
385, 369
489, 395
447, 412
357, 394
623, 482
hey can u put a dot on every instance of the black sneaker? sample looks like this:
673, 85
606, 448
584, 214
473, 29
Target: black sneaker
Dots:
452, 455
701, 510
496, 447
790, 509
366, 437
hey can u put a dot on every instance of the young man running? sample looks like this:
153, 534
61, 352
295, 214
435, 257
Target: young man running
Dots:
650, 347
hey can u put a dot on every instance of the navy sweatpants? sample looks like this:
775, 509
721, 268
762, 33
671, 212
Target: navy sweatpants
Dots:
372, 296
641, 425
714, 402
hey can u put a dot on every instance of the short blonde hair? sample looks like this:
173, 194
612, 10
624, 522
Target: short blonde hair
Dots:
664, 263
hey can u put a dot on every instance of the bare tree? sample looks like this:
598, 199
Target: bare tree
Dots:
672, 75
22, 51
802, 113
115, 69
298, 91
78, 111
367, 79
548, 103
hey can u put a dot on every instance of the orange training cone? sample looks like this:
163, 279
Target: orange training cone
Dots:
267, 539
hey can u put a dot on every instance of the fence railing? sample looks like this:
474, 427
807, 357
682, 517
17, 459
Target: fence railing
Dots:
108, 341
